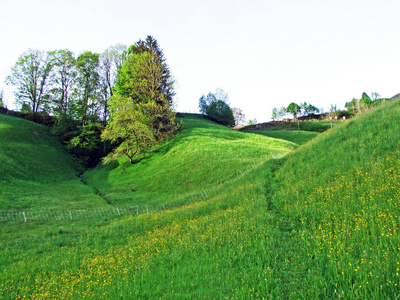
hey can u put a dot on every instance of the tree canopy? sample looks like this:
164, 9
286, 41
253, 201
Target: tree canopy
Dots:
295, 110
216, 106
124, 94
141, 107
30, 75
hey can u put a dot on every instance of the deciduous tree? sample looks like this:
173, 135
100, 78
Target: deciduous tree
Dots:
110, 61
30, 76
216, 106
221, 112
252, 122
293, 109
238, 115
205, 101
64, 69
129, 126
88, 79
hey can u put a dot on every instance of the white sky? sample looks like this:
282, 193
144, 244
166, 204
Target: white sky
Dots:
264, 53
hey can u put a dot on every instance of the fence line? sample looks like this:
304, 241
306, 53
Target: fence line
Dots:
76, 214
29, 215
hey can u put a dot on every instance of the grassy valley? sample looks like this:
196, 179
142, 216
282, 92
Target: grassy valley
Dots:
234, 215
36, 173
202, 158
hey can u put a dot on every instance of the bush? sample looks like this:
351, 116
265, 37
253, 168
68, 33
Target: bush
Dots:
221, 113
216, 107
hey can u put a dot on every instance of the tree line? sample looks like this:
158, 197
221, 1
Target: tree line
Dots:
352, 108
294, 110
64, 85
113, 103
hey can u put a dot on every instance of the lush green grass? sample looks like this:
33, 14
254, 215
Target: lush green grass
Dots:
35, 173
321, 222
297, 137
338, 202
305, 125
214, 249
196, 163
217, 178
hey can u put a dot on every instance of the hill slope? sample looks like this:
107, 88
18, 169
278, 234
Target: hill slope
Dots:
321, 222
35, 172
338, 201
217, 177
201, 158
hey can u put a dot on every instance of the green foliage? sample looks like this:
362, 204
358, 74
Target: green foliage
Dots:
88, 78
293, 109
314, 126
140, 109
26, 108
29, 75
111, 61
221, 112
158, 76
296, 110
64, 69
358, 106
252, 122
82, 142
320, 223
307, 109
205, 102
201, 156
130, 125
216, 107
86, 145
275, 114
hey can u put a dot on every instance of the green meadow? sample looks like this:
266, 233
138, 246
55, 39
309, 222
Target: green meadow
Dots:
35, 172
233, 215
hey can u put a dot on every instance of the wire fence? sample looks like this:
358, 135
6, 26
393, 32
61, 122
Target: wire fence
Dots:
77, 214
30, 215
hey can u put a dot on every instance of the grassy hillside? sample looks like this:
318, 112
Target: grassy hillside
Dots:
305, 125
320, 222
35, 172
337, 201
203, 157
296, 137
219, 175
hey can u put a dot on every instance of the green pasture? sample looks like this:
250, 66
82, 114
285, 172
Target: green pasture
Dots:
36, 173
321, 222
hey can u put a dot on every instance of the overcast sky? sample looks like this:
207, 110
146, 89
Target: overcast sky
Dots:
263, 53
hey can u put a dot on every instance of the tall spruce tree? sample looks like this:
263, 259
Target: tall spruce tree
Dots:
141, 111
